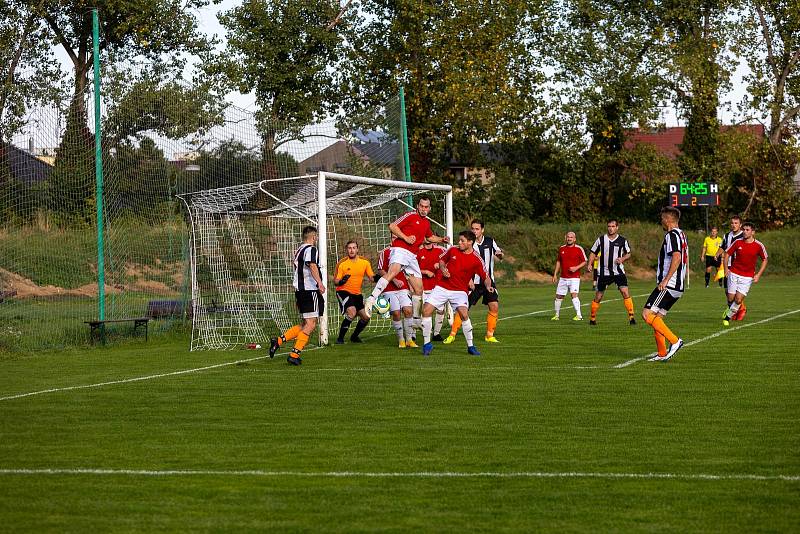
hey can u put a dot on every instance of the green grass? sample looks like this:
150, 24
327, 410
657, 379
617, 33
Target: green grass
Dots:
548, 399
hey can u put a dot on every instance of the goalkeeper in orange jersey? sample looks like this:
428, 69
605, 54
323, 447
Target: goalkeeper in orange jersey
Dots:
309, 294
348, 279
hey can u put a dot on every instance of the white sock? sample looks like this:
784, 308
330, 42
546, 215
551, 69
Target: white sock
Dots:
426, 329
576, 303
416, 306
733, 309
466, 327
379, 287
557, 306
398, 329
408, 325
437, 325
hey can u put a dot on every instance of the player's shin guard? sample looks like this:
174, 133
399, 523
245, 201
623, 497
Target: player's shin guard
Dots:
416, 307
491, 323
346, 322
557, 306
595, 307
661, 344
427, 326
456, 324
408, 326
660, 326
300, 344
289, 334
379, 287
576, 303
628, 302
466, 327
437, 324
733, 309
398, 329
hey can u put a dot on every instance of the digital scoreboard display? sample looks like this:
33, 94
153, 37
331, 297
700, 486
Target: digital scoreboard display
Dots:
694, 194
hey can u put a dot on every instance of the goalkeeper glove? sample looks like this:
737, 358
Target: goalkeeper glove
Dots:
343, 280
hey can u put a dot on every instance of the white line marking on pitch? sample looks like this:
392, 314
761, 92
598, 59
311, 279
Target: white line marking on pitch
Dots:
712, 336
400, 474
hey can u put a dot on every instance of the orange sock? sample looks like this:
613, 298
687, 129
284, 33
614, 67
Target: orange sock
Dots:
629, 306
456, 325
595, 307
661, 327
491, 323
302, 339
661, 344
289, 334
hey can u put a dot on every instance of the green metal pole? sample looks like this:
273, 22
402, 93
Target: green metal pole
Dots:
98, 171
404, 135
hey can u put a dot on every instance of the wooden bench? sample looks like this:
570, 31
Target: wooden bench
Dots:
101, 326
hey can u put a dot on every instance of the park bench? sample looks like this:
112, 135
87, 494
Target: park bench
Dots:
100, 326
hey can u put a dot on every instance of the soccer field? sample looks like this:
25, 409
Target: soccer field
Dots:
561, 426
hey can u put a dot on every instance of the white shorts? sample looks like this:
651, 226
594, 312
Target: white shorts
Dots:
426, 297
407, 260
568, 285
398, 299
738, 284
440, 296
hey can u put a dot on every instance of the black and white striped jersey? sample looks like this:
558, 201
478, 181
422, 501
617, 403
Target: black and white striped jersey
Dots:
303, 256
609, 251
486, 249
729, 239
674, 241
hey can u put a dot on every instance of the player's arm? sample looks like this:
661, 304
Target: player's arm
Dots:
676, 261
339, 278
433, 238
721, 252
397, 232
764, 262
590, 263
314, 268
498, 252
369, 273
622, 259
703, 252
556, 270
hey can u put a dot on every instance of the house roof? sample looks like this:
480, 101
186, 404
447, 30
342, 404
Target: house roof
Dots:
24, 167
668, 140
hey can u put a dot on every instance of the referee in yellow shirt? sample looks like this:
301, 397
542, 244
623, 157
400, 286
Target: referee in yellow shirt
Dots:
349, 277
710, 246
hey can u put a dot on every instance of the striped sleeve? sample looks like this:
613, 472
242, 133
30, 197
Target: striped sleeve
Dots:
485, 274
596, 246
763, 251
626, 247
583, 252
403, 217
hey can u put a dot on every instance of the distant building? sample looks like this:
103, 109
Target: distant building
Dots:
24, 167
668, 140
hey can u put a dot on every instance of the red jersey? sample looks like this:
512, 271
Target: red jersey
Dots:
571, 256
744, 256
462, 268
383, 265
412, 224
428, 260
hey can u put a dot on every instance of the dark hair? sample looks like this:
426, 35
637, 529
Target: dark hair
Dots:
308, 230
477, 221
469, 235
714, 228
612, 221
748, 224
423, 197
353, 241
673, 211
736, 217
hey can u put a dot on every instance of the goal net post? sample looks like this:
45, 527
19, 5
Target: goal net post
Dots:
243, 239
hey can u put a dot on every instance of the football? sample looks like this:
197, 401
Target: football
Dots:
382, 305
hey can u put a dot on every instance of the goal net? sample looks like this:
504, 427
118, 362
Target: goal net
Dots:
243, 240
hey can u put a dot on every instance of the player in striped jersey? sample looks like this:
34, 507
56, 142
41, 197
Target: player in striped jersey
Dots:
730, 238
615, 251
570, 262
673, 263
309, 294
744, 254
488, 249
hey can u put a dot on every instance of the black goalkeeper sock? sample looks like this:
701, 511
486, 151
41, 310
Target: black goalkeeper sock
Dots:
362, 324
708, 278
345, 327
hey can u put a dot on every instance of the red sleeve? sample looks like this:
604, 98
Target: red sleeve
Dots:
729, 251
762, 251
428, 232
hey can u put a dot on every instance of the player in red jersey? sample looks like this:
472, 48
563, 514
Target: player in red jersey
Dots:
741, 273
428, 258
399, 303
409, 231
458, 265
571, 259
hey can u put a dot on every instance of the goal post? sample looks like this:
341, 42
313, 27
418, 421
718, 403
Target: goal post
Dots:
243, 239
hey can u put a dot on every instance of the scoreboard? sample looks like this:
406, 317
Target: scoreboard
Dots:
694, 194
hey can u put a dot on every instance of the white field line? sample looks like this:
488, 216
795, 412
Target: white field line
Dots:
206, 368
399, 474
712, 336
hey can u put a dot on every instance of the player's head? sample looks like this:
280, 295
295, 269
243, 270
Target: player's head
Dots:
352, 249
465, 240
309, 233
714, 231
427, 245
749, 229
612, 226
570, 238
670, 216
423, 205
477, 227
736, 223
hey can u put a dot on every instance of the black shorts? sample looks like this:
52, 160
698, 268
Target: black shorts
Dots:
347, 300
480, 291
310, 303
604, 281
662, 300
713, 261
